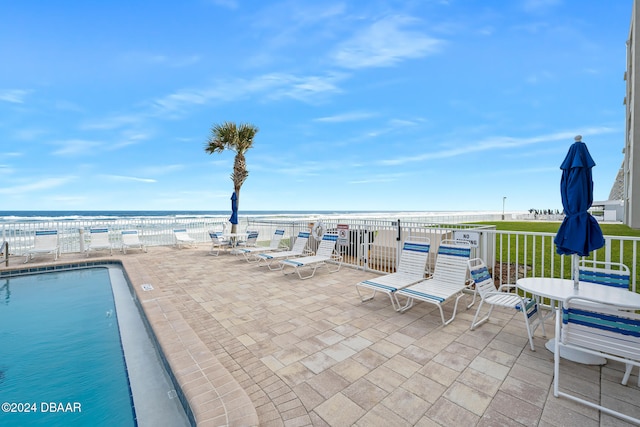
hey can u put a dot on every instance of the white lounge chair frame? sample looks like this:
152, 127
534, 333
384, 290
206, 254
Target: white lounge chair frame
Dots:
485, 286
183, 239
250, 253
131, 240
298, 249
46, 242
99, 240
449, 280
217, 242
605, 330
411, 269
326, 255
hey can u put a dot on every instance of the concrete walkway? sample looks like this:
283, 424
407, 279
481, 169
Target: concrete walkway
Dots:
255, 347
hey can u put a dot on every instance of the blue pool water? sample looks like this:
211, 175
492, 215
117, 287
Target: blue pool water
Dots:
61, 359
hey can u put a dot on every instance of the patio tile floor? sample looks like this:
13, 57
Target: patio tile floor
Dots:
251, 346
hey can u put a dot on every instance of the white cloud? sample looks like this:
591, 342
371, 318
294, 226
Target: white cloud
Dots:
43, 184
15, 96
385, 43
75, 147
492, 143
346, 117
129, 178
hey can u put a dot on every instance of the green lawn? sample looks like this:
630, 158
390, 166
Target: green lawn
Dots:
552, 227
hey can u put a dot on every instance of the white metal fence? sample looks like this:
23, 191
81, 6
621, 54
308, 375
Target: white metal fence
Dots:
369, 243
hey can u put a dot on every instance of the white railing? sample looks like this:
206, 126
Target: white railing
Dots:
528, 254
370, 243
153, 231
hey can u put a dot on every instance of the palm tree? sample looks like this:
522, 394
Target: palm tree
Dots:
238, 138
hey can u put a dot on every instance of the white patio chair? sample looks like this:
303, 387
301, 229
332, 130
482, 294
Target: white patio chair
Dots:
99, 240
46, 242
501, 297
275, 244
449, 280
131, 240
298, 250
612, 274
182, 238
326, 256
217, 242
411, 269
605, 330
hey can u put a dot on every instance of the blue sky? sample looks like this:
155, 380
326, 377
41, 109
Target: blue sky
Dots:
362, 105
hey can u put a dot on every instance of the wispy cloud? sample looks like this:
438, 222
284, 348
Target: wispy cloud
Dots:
385, 43
273, 86
492, 143
346, 117
129, 178
75, 147
43, 184
15, 96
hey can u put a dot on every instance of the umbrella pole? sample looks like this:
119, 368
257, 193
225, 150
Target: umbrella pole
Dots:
576, 272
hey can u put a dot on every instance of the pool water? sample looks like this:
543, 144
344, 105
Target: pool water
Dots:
61, 358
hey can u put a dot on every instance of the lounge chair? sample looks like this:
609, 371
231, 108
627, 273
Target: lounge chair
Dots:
99, 241
325, 256
252, 239
182, 238
217, 242
46, 242
297, 250
131, 240
411, 269
605, 330
613, 274
486, 287
250, 253
447, 282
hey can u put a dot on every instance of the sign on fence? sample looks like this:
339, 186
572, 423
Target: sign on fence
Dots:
473, 237
343, 234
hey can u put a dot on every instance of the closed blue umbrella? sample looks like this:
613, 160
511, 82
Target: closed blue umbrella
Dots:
579, 232
234, 209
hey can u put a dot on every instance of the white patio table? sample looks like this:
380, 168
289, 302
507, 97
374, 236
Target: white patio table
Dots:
235, 238
558, 290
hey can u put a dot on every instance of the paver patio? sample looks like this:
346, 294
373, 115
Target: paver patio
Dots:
255, 347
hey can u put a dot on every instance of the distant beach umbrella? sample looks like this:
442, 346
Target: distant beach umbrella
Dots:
579, 232
234, 209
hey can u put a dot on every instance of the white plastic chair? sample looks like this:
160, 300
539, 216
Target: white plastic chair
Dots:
182, 238
46, 242
131, 240
99, 241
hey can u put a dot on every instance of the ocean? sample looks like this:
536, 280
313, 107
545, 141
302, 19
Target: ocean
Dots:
47, 216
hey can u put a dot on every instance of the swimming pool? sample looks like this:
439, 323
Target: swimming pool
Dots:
62, 360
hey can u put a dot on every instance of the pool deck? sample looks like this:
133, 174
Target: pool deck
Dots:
255, 347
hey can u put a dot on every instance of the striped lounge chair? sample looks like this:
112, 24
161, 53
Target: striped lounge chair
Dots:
271, 259
99, 241
411, 269
326, 256
250, 253
448, 281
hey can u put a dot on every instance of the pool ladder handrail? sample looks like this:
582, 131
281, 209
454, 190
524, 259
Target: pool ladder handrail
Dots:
4, 249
